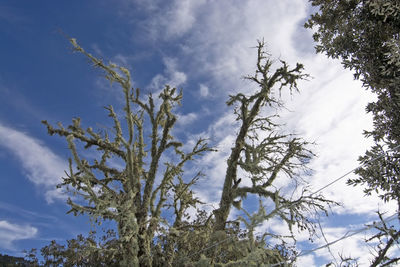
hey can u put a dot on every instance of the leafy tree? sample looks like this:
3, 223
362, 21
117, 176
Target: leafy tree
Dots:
82, 251
136, 196
364, 34
10, 261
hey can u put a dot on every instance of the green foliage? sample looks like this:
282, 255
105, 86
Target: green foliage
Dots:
365, 36
82, 251
136, 196
10, 261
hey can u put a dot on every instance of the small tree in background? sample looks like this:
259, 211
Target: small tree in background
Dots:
136, 196
81, 251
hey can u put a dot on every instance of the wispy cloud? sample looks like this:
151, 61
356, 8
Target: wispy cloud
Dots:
329, 110
184, 13
172, 76
204, 90
10, 232
353, 247
213, 46
17, 101
24, 213
306, 261
11, 15
40, 165
185, 119
216, 42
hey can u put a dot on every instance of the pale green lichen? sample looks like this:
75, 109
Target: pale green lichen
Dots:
135, 199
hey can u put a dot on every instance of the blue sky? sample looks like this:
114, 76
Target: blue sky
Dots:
203, 47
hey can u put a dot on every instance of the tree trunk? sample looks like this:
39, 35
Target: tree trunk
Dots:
222, 213
128, 236
145, 258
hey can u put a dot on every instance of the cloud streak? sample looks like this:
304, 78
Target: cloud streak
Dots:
9, 233
40, 165
25, 213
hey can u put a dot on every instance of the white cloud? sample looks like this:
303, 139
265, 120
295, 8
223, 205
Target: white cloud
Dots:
42, 167
354, 246
121, 60
13, 232
24, 213
183, 17
329, 110
175, 78
172, 76
172, 20
348, 241
204, 91
222, 135
185, 119
307, 260
214, 47
220, 40
214, 37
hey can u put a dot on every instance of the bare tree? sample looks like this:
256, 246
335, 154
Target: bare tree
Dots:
136, 195
130, 197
